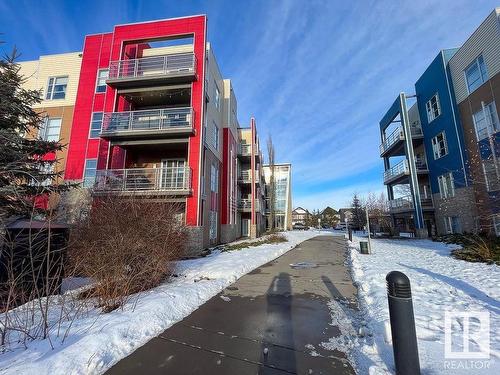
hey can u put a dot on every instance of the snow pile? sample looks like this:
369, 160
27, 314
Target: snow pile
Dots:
439, 283
97, 341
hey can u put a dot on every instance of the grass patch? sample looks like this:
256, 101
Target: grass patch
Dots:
271, 239
475, 248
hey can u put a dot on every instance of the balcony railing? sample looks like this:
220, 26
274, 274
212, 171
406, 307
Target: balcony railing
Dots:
398, 170
165, 180
165, 65
148, 120
245, 176
246, 205
398, 135
244, 149
406, 202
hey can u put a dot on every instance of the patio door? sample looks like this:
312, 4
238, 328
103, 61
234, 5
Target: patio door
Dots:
245, 227
173, 174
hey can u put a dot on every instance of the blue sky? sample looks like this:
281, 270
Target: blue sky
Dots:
317, 75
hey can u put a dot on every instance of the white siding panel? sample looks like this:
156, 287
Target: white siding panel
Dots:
486, 41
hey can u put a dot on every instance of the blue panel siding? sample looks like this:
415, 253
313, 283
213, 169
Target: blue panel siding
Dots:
390, 114
434, 80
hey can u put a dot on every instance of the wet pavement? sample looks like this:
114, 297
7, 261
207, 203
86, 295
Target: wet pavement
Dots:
271, 321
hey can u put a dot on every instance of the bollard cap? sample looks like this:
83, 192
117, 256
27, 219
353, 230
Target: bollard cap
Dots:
398, 285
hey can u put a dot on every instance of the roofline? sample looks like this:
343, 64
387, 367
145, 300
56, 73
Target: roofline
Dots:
50, 55
278, 164
163, 19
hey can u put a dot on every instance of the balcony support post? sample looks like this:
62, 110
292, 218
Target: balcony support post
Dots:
410, 159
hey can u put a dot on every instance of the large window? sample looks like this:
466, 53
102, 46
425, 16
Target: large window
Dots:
96, 124
217, 97
102, 76
452, 224
216, 136
439, 146
476, 74
51, 129
491, 170
496, 224
214, 179
433, 108
90, 172
446, 185
56, 88
486, 121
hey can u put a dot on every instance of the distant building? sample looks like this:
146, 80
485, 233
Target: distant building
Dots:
283, 195
300, 216
345, 214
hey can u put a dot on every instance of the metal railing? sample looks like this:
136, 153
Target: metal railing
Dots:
399, 169
398, 135
150, 119
173, 64
245, 176
163, 179
405, 202
246, 204
244, 149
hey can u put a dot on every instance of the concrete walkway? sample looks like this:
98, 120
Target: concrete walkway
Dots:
262, 323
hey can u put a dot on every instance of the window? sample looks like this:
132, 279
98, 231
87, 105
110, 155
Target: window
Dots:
50, 129
216, 136
95, 124
433, 108
56, 88
452, 224
90, 172
217, 97
446, 185
491, 174
46, 169
102, 76
476, 74
486, 121
439, 146
214, 179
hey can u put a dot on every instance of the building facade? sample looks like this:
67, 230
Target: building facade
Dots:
300, 216
475, 72
146, 113
440, 168
282, 183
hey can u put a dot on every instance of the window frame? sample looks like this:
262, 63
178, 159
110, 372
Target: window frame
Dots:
490, 118
216, 136
475, 63
97, 85
92, 122
217, 96
496, 224
445, 190
49, 93
445, 142
44, 130
490, 187
85, 174
431, 116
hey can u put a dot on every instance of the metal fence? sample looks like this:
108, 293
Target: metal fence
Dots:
153, 66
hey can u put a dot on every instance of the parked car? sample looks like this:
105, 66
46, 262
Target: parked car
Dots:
299, 226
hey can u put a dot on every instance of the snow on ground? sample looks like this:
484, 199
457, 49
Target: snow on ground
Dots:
439, 283
97, 341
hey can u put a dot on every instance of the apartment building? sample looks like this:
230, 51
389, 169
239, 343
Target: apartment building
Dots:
57, 77
441, 176
251, 184
281, 174
475, 72
147, 114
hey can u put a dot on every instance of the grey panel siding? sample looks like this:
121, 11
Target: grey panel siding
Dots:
486, 41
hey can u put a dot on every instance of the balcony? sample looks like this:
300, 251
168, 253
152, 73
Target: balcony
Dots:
245, 177
244, 150
402, 169
394, 143
245, 205
152, 123
154, 70
146, 181
405, 204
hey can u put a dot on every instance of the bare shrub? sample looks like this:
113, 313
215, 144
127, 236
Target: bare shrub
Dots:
126, 245
272, 238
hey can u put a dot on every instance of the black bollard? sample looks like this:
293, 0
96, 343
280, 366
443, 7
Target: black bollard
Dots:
404, 337
349, 231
